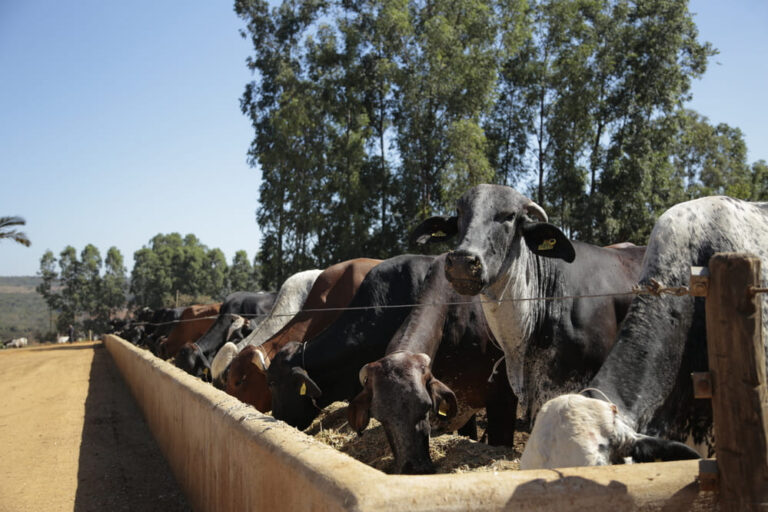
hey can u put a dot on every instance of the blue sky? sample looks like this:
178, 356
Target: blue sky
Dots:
121, 120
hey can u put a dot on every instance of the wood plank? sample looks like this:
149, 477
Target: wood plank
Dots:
737, 365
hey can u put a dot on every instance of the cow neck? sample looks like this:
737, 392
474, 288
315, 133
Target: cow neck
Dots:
424, 328
211, 339
201, 353
514, 322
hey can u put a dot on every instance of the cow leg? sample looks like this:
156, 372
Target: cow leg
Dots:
470, 428
501, 411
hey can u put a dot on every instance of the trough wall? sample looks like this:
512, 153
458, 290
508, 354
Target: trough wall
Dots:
227, 456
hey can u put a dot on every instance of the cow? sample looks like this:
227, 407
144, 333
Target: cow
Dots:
640, 404
304, 377
332, 291
402, 388
511, 257
194, 358
290, 297
16, 343
193, 322
159, 325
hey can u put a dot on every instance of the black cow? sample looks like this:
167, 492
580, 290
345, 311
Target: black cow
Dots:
237, 310
401, 389
159, 325
304, 377
644, 389
509, 254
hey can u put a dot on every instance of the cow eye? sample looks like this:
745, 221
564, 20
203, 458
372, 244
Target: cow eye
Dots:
505, 217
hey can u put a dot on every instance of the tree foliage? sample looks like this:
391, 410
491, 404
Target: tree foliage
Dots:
369, 116
172, 266
78, 290
88, 292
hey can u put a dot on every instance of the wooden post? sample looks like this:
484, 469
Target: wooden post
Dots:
740, 397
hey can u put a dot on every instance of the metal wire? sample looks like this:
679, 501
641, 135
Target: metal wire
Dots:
655, 289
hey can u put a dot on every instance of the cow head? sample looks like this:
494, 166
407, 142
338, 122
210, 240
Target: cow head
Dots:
293, 390
161, 349
494, 224
246, 378
574, 430
400, 391
192, 360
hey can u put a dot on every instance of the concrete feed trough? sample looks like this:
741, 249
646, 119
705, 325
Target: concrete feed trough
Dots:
228, 456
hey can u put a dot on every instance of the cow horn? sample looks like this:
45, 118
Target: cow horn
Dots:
363, 375
261, 362
237, 322
536, 211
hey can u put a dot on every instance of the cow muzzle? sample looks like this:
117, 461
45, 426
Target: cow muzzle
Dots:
464, 271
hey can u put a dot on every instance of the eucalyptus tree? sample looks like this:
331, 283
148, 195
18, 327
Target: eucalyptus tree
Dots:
367, 117
240, 276
586, 98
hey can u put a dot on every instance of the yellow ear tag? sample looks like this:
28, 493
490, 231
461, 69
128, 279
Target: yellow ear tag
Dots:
547, 245
205, 371
303, 389
443, 411
438, 234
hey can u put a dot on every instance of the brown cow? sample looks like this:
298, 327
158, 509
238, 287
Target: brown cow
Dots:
193, 323
334, 288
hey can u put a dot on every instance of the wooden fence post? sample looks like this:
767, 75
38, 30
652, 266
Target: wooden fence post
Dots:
737, 367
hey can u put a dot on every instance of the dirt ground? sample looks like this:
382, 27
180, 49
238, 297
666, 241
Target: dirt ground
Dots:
72, 438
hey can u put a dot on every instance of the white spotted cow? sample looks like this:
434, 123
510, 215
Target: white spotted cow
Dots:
289, 300
643, 392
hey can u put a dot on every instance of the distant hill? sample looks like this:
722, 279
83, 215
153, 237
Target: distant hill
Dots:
23, 311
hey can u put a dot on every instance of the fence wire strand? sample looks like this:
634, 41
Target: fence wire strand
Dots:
654, 289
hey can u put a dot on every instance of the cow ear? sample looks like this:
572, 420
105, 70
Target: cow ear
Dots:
444, 403
359, 410
434, 229
654, 449
546, 240
306, 385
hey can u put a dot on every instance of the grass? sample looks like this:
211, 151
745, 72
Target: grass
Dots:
23, 312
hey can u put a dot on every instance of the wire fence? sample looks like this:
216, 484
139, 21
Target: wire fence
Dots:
653, 289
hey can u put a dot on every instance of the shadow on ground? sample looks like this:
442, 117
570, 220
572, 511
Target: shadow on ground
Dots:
120, 465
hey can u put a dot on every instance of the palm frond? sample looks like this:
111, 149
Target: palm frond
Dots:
6, 222
16, 236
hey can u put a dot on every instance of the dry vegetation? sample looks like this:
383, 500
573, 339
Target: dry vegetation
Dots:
451, 453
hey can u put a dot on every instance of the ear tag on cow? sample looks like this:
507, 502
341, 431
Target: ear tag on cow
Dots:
205, 371
547, 245
439, 234
303, 389
443, 410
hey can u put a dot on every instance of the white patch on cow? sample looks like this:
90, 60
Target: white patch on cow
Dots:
512, 323
573, 430
289, 301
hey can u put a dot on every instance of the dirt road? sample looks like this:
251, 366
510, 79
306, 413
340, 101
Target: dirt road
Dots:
72, 438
